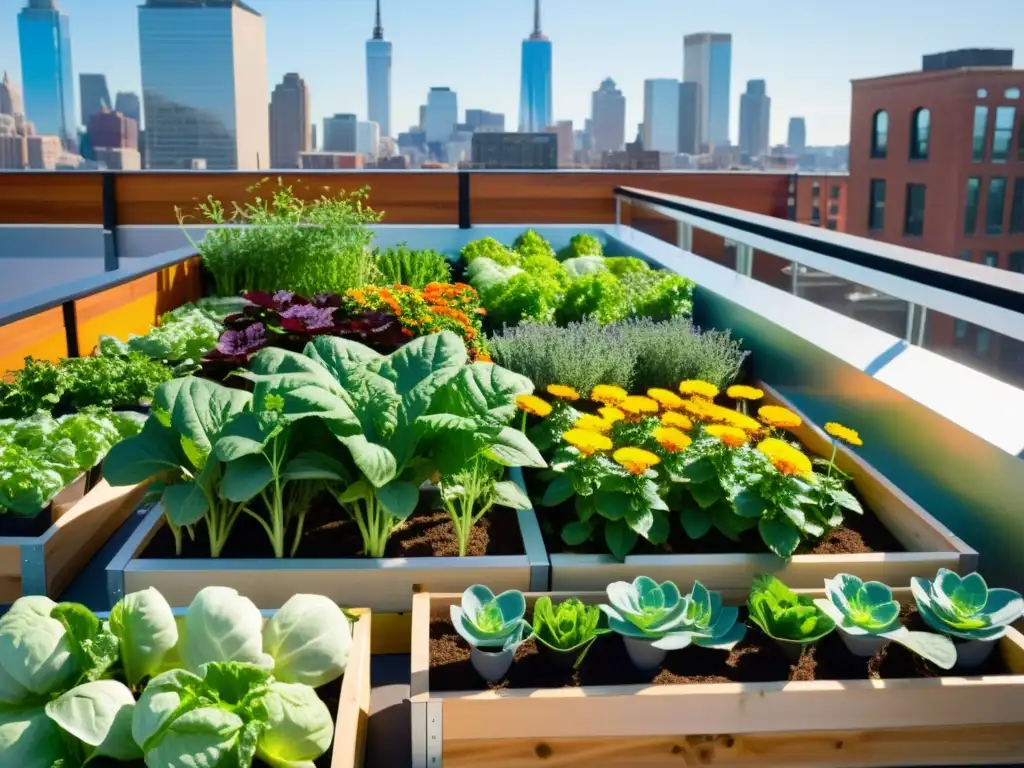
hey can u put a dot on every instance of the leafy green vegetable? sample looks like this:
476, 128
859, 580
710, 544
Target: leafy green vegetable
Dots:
581, 245
624, 265
180, 341
597, 295
489, 622
521, 297
416, 268
144, 625
309, 638
658, 295
569, 626
530, 243
583, 265
783, 615
965, 607
488, 247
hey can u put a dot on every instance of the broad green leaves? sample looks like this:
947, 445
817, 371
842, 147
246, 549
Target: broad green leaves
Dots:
784, 615
147, 631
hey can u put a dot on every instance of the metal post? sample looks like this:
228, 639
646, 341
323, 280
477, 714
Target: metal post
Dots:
911, 311
111, 259
794, 278
618, 211
921, 324
465, 217
744, 259
684, 236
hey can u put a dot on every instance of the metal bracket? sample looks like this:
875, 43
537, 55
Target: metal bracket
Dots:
33, 569
434, 734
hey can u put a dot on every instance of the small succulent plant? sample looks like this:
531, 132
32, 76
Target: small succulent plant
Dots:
965, 607
711, 624
491, 623
646, 610
863, 609
783, 615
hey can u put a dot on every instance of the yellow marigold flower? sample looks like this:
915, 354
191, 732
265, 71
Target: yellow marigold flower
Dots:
611, 414
671, 439
666, 398
777, 416
845, 434
741, 421
677, 420
734, 437
593, 423
698, 388
704, 410
638, 405
608, 394
586, 442
562, 392
635, 460
743, 392
787, 459
533, 404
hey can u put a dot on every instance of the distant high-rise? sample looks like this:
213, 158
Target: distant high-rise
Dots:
44, 35
112, 130
442, 114
422, 125
93, 95
10, 98
312, 136
755, 117
796, 141
608, 113
535, 110
289, 122
340, 133
204, 84
661, 115
378, 77
689, 118
967, 57
129, 105
368, 139
482, 120
707, 61
515, 150
563, 130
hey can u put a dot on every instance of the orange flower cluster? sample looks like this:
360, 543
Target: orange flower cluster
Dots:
438, 307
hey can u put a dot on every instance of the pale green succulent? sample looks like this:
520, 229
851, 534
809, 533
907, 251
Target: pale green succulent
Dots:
491, 623
646, 610
867, 608
965, 607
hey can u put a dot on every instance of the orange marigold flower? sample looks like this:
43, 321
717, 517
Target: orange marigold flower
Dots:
698, 388
666, 398
593, 423
611, 414
671, 439
777, 416
563, 392
743, 392
636, 406
586, 442
787, 459
741, 421
734, 437
483, 357
676, 420
408, 333
608, 394
533, 404
635, 460
847, 435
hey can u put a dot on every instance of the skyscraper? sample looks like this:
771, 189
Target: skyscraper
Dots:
661, 115
707, 61
289, 122
368, 139
204, 84
44, 35
378, 78
689, 118
796, 140
482, 120
129, 105
442, 114
340, 133
535, 110
755, 117
93, 93
608, 112
10, 98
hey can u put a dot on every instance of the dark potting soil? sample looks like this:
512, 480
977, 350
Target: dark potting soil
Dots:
757, 659
859, 534
329, 533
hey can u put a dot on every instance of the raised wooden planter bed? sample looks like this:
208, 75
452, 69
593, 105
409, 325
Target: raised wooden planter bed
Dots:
868, 722
46, 564
929, 545
349, 747
385, 585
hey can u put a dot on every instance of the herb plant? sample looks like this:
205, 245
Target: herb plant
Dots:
416, 268
491, 622
568, 626
674, 350
867, 609
783, 615
966, 608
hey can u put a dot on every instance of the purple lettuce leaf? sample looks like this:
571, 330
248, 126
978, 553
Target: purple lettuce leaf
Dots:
306, 317
244, 342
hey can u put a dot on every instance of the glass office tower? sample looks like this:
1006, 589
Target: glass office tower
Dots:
535, 112
378, 78
44, 35
707, 61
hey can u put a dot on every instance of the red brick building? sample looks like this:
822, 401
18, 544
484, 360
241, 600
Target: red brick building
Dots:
937, 164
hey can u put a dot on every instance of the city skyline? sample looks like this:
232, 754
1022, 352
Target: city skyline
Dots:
325, 43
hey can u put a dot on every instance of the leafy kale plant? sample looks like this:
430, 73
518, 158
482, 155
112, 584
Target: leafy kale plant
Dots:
966, 608
785, 616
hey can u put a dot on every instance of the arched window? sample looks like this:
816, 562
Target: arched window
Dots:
920, 133
880, 134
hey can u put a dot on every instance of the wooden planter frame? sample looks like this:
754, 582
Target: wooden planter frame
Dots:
349, 746
46, 564
385, 585
939, 721
929, 544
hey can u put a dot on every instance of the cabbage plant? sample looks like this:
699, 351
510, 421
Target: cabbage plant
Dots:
647, 610
966, 608
491, 622
785, 616
867, 609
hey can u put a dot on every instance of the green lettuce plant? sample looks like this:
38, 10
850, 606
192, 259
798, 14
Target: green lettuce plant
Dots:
785, 616
966, 608
580, 266
646, 610
624, 265
581, 245
491, 622
488, 247
180, 341
530, 243
568, 626
867, 609
599, 295
485, 274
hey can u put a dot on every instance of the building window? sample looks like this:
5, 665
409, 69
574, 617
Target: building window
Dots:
964, 255
996, 204
913, 218
815, 189
990, 258
1020, 141
876, 206
920, 131
880, 134
980, 123
1017, 208
1002, 133
971, 207
960, 331
1011, 93
982, 93
981, 341
831, 224
1017, 261
834, 192
833, 209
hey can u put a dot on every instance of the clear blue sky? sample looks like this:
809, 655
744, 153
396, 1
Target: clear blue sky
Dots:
807, 51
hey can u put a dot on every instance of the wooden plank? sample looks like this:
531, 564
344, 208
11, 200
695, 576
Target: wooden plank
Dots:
10, 573
41, 336
983, 745
54, 197
391, 633
406, 197
354, 706
424, 606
